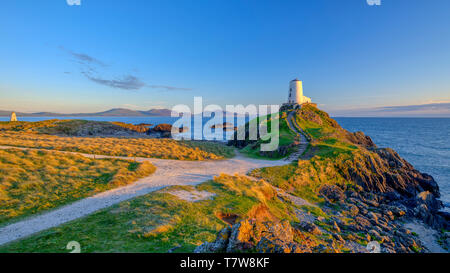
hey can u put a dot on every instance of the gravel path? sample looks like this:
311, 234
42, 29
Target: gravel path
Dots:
292, 123
168, 173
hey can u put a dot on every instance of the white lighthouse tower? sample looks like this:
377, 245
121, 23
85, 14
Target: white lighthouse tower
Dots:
13, 117
296, 93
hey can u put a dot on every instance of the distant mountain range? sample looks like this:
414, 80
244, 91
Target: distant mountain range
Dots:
116, 112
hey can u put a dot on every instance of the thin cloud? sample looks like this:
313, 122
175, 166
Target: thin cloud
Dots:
169, 87
83, 58
423, 110
128, 82
90, 67
420, 107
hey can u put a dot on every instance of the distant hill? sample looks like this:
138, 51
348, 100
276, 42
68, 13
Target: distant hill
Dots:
116, 112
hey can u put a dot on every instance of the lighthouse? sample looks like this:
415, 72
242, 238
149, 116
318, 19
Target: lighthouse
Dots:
13, 117
296, 93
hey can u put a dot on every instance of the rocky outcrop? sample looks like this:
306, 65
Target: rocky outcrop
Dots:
226, 126
164, 130
252, 235
361, 139
384, 171
332, 193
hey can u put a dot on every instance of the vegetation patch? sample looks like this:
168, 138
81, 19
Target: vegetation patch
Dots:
286, 136
35, 181
130, 147
159, 221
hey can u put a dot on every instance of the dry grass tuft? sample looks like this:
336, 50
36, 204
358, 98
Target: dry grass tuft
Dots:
140, 147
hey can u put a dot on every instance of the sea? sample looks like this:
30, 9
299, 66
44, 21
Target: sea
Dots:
424, 142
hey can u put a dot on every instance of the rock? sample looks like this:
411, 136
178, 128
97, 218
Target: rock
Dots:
430, 201
353, 210
273, 245
389, 214
300, 248
392, 196
378, 229
249, 234
388, 249
363, 211
332, 193
363, 222
240, 236
163, 127
372, 203
219, 245
445, 216
320, 249
374, 234
386, 218
360, 138
164, 130
338, 237
263, 237
320, 218
372, 216
309, 227
336, 227
399, 211
429, 184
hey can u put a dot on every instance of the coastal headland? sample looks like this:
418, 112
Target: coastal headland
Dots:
324, 190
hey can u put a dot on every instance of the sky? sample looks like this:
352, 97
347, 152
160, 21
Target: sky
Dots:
354, 59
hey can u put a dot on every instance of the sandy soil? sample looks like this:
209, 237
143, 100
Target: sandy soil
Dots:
168, 173
192, 196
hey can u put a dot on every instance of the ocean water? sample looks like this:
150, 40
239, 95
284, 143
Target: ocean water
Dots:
424, 142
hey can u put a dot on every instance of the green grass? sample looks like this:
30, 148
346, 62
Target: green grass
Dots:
36, 181
332, 147
285, 135
158, 221
248, 151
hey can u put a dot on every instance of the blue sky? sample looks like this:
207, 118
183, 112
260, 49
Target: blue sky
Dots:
142, 54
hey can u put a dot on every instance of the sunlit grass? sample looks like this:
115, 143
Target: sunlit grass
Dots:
35, 181
131, 147
160, 221
285, 135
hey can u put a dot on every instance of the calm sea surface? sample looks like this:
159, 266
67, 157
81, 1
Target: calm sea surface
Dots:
424, 142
